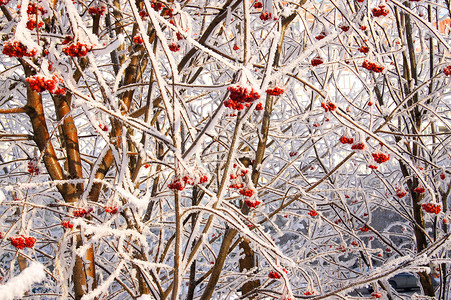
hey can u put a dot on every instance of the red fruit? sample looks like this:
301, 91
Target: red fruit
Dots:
380, 157
265, 16
309, 293
344, 28
359, 146
111, 210
235, 47
156, 5
320, 36
431, 208
82, 212
96, 10
247, 192
143, 14
17, 49
420, 190
447, 70
442, 176
77, 49
67, 224
313, 213
259, 106
364, 49
103, 127
363, 27
329, 106
276, 91
372, 66
174, 47
258, 4
380, 11
365, 228
274, 274
346, 140
354, 243
138, 39
40, 84
22, 241
4, 2
251, 203
376, 295
373, 167
316, 61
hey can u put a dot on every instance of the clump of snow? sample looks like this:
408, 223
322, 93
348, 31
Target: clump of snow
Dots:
19, 285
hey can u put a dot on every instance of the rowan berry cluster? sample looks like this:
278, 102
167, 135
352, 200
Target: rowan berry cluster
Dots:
373, 167
143, 14
265, 16
344, 27
252, 203
77, 49
31, 23
40, 84
67, 224
364, 49
103, 127
138, 39
372, 66
420, 190
156, 5
442, 176
380, 11
34, 9
32, 168
82, 212
313, 213
4, 2
174, 47
316, 61
247, 192
17, 49
274, 274
22, 241
259, 106
180, 184
235, 47
365, 228
358, 146
320, 36
400, 192
354, 243
176, 185
447, 70
276, 91
380, 157
309, 293
328, 106
96, 10
346, 140
376, 295
110, 209
239, 95
258, 4
293, 154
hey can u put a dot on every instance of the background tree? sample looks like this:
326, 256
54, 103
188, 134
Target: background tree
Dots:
207, 149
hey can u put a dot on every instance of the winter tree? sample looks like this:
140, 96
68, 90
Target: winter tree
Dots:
224, 149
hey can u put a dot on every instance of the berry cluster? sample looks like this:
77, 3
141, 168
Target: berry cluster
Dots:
400, 192
313, 213
156, 5
447, 70
235, 47
179, 184
17, 49
251, 203
240, 95
176, 185
67, 224
328, 106
320, 36
309, 293
258, 4
316, 61
373, 167
96, 10
442, 176
32, 168
376, 295
380, 11
380, 157
22, 241
363, 27
31, 23
4, 2
276, 91
364, 228
34, 9
354, 243
346, 140
420, 190
143, 14
110, 209
344, 27
358, 146
265, 16
77, 49
364, 49
40, 84
103, 127
274, 274
293, 154
138, 39
174, 47
259, 106
247, 192
372, 66
82, 212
